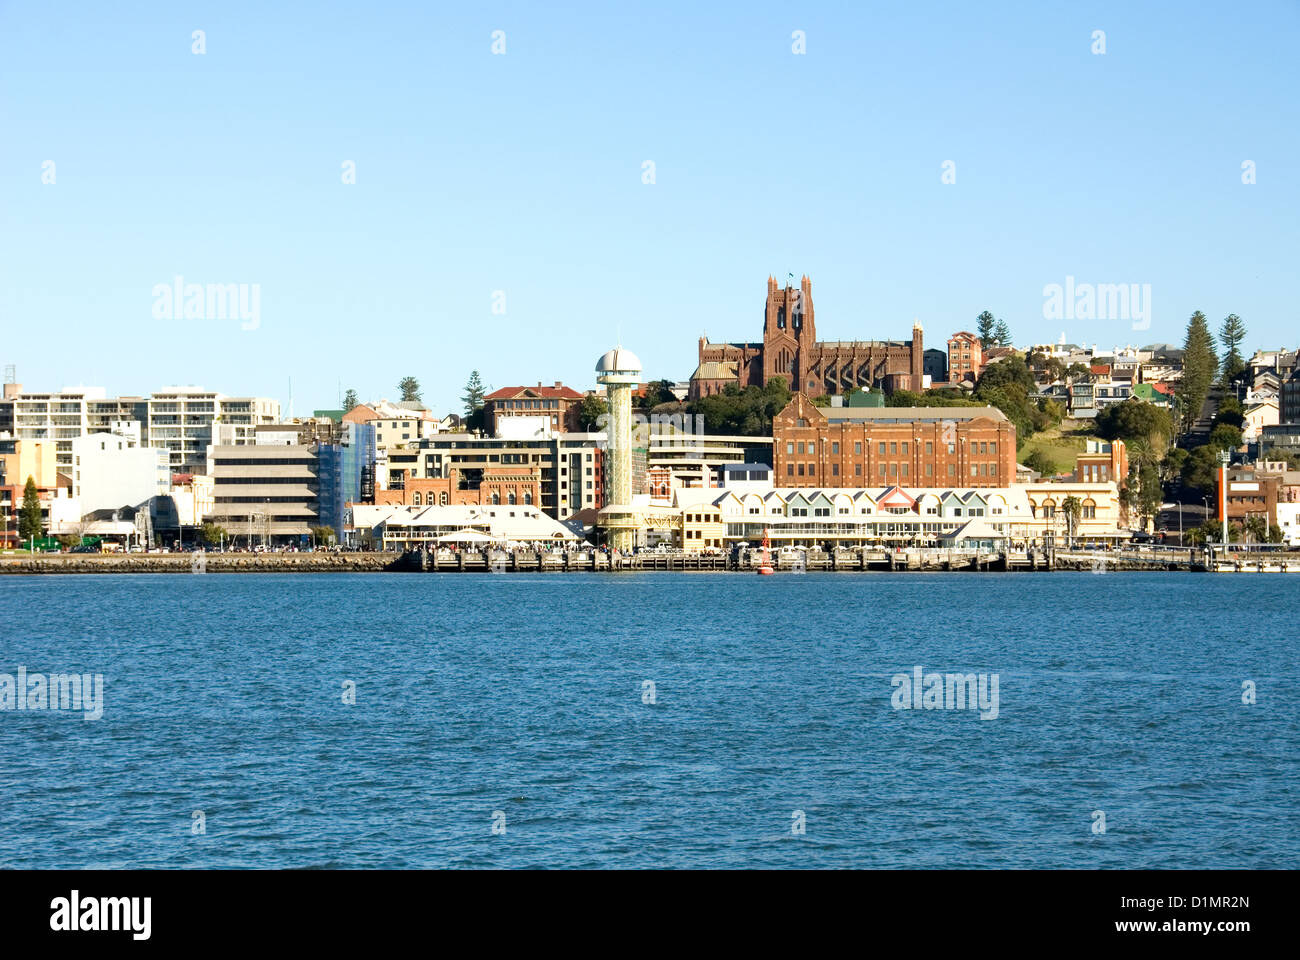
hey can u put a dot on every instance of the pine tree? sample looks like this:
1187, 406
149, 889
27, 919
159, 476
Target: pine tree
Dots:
29, 520
1231, 335
1199, 368
1002, 334
474, 394
349, 400
984, 325
410, 389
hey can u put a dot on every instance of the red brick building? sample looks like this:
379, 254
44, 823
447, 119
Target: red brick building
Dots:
876, 446
965, 357
559, 404
517, 485
790, 349
1251, 493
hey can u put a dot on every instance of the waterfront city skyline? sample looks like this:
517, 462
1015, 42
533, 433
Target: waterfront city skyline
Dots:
479, 172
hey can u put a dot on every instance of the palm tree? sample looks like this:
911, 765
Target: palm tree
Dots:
1072, 507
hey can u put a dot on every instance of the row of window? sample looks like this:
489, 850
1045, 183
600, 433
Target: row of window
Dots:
890, 447
890, 469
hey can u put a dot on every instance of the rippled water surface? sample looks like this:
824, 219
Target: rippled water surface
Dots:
518, 699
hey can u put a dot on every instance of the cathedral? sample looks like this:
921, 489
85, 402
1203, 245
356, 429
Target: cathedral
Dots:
790, 349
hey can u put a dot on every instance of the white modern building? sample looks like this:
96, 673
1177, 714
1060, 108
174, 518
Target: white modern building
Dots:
181, 420
66, 414
111, 470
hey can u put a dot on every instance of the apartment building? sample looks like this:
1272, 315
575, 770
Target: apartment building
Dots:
111, 470
181, 420
571, 465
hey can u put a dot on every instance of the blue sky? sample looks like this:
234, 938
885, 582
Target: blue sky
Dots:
522, 173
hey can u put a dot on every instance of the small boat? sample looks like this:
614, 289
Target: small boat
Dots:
765, 568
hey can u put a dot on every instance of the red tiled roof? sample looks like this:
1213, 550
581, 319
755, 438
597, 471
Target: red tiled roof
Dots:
549, 393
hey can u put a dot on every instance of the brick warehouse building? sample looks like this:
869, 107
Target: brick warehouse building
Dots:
497, 485
855, 446
790, 349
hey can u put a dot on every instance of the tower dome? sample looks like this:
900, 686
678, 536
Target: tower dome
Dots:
619, 360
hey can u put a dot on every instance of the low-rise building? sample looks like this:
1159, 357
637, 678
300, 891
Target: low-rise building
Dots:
1019, 516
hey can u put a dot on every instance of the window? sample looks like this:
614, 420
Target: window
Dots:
835, 448
416, 499
893, 469
929, 469
801, 446
812, 448
905, 466
528, 499
882, 449
882, 469
442, 499
857, 469
789, 448
812, 469
952, 470
789, 469
512, 500
835, 469
801, 469
857, 448
929, 446
904, 446
993, 447
893, 446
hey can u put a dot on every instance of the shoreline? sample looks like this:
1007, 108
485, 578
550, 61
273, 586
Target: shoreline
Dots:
393, 562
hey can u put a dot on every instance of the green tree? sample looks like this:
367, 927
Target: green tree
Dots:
1200, 470
1231, 334
1077, 371
985, 327
1199, 367
747, 412
212, 534
1133, 419
1002, 334
590, 410
656, 393
1150, 492
474, 394
410, 389
322, 535
1041, 463
1256, 529
1171, 468
1008, 370
350, 400
29, 519
1225, 437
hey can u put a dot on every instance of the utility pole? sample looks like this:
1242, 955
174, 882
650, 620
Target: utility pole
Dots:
1224, 457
